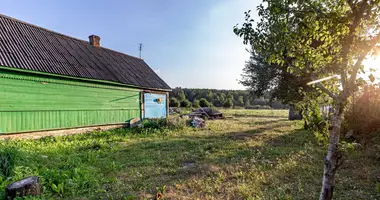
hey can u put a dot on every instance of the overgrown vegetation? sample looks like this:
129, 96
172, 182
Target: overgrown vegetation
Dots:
256, 154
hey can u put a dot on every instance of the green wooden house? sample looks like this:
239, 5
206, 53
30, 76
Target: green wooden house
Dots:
51, 81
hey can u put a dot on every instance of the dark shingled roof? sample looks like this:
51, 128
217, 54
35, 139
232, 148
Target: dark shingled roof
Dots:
29, 47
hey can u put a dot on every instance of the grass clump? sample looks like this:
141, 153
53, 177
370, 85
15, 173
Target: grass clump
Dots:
162, 126
8, 156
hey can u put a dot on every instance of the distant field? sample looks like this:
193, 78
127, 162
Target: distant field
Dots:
255, 154
256, 113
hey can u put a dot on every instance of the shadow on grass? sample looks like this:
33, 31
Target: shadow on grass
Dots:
258, 116
172, 161
267, 122
141, 166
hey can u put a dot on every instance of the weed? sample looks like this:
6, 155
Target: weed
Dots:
8, 156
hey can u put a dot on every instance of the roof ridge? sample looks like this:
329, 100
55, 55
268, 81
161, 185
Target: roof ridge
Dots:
63, 35
36, 26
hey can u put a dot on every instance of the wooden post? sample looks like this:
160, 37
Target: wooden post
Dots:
167, 105
142, 104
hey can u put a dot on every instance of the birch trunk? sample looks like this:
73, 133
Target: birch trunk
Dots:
331, 160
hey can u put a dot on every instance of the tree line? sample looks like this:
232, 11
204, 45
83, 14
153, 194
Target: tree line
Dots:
190, 97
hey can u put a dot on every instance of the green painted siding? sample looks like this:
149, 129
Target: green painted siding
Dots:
32, 103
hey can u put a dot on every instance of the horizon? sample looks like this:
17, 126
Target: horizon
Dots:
203, 31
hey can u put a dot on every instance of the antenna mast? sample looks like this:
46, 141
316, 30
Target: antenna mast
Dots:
140, 50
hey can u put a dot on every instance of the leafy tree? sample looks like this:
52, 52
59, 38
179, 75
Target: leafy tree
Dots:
230, 96
204, 103
181, 96
196, 103
229, 103
324, 40
185, 103
216, 101
173, 102
222, 97
210, 96
272, 81
240, 101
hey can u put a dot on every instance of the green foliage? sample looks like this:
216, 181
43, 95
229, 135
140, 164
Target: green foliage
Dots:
204, 103
196, 103
173, 102
161, 126
313, 118
240, 101
298, 41
229, 103
185, 103
217, 98
8, 156
181, 96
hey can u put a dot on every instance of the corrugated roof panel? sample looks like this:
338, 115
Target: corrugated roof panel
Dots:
26, 46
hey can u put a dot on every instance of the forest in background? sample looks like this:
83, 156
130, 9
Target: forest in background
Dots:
189, 97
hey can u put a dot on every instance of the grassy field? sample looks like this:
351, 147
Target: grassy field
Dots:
250, 155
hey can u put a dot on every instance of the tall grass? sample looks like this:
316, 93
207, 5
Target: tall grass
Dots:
8, 156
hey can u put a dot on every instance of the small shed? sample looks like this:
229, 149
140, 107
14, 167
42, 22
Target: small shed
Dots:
51, 81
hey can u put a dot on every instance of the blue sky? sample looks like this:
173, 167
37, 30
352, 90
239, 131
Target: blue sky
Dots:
189, 43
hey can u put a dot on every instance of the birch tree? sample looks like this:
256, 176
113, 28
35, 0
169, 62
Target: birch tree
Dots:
325, 40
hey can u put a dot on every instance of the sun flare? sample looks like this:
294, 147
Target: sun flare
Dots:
372, 65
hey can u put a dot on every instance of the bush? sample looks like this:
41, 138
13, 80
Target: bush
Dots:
185, 103
277, 105
229, 103
204, 103
261, 102
196, 104
173, 102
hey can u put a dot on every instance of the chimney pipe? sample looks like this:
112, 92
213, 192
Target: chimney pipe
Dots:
94, 40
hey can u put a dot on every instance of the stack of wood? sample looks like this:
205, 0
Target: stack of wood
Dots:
206, 113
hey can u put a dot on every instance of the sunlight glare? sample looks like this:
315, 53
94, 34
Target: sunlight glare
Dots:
372, 65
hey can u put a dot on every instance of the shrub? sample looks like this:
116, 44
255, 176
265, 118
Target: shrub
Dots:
196, 103
261, 102
204, 103
229, 103
173, 102
277, 105
185, 103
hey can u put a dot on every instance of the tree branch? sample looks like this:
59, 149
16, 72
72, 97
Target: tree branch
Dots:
358, 14
318, 84
323, 88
